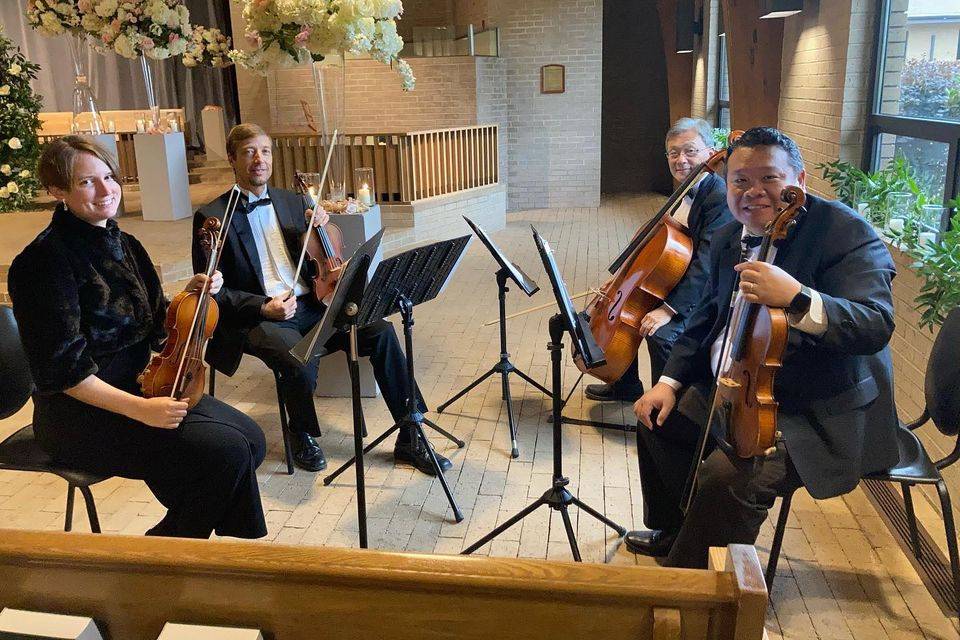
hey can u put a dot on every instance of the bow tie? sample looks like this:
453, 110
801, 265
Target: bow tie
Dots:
751, 241
249, 207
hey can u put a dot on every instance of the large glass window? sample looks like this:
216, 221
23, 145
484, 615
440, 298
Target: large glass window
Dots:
723, 79
916, 107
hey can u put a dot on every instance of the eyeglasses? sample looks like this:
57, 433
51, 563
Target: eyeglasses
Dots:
689, 153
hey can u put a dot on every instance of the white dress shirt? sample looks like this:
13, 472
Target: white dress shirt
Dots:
275, 262
814, 322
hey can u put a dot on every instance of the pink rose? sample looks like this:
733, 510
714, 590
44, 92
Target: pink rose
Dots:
302, 36
173, 37
147, 44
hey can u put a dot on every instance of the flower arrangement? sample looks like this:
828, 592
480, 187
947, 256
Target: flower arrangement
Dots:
291, 32
156, 29
19, 122
53, 17
207, 46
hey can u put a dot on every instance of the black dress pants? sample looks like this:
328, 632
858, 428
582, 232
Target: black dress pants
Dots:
203, 472
733, 495
271, 341
659, 350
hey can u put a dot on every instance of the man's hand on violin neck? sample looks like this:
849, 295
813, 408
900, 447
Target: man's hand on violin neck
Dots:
281, 307
198, 280
766, 283
318, 218
655, 404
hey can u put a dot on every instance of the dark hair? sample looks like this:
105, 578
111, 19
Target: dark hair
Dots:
56, 164
240, 134
770, 137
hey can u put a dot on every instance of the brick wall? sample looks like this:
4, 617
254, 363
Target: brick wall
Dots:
553, 140
492, 103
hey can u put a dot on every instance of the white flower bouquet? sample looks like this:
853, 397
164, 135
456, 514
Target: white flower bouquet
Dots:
291, 32
156, 29
53, 17
207, 46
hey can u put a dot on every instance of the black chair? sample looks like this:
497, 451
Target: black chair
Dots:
20, 451
941, 389
287, 449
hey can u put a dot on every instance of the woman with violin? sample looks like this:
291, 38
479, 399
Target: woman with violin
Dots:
829, 276
266, 309
90, 309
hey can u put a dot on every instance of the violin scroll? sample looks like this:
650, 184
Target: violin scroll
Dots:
794, 198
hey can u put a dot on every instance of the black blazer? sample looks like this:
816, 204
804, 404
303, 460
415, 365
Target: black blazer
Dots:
836, 390
708, 213
243, 294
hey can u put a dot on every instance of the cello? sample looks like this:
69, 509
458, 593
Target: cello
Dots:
179, 371
644, 273
754, 341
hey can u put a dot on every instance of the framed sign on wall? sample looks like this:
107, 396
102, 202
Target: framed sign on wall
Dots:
552, 78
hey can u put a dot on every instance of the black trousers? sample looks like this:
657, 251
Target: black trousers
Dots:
733, 495
659, 350
271, 341
203, 472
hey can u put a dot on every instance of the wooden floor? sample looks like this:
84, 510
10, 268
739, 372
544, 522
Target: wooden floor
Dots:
842, 575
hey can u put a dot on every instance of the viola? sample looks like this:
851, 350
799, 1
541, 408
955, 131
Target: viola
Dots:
644, 274
179, 370
322, 250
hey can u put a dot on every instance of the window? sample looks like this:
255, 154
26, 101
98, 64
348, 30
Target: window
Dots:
723, 79
916, 104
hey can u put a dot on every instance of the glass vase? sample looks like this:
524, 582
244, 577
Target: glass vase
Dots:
86, 116
328, 78
152, 119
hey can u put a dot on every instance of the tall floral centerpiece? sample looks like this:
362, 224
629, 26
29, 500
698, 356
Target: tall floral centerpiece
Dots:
207, 47
288, 33
62, 17
147, 30
19, 123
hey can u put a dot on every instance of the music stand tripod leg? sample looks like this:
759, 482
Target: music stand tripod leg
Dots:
449, 436
367, 449
358, 432
470, 387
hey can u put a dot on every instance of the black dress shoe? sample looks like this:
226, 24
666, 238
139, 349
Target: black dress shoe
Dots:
307, 454
649, 543
614, 392
416, 455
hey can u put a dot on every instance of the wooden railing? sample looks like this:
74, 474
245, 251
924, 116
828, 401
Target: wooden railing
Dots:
407, 166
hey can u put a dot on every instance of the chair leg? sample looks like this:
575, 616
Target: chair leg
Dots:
911, 519
91, 509
68, 518
951, 533
213, 382
778, 539
287, 449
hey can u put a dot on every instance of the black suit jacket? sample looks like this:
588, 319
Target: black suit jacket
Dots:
708, 213
243, 294
836, 390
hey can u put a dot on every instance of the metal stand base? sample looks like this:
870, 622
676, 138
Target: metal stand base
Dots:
626, 428
504, 367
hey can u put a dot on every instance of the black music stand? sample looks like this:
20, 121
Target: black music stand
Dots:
343, 314
399, 284
567, 320
508, 271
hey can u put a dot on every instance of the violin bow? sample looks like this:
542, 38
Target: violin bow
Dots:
323, 179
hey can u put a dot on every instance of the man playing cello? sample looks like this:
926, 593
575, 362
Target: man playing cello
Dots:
836, 415
703, 210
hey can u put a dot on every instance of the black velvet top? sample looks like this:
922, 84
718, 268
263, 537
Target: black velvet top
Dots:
83, 294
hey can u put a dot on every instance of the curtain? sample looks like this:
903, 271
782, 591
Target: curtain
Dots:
118, 82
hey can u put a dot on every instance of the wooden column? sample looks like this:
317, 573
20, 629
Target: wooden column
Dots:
754, 51
679, 65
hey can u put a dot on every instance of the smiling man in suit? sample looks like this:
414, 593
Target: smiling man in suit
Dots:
689, 142
836, 415
265, 313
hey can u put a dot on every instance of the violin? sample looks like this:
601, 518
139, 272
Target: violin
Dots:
179, 371
754, 341
644, 274
322, 249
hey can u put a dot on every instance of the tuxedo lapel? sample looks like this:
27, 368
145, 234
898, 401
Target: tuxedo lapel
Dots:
240, 226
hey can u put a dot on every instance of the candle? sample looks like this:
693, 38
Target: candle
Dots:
111, 126
863, 209
141, 126
896, 224
928, 238
364, 195
174, 125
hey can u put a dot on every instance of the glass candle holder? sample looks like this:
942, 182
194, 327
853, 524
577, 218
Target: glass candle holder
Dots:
899, 209
364, 188
931, 216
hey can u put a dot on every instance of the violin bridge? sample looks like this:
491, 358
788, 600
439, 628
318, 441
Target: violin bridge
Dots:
729, 383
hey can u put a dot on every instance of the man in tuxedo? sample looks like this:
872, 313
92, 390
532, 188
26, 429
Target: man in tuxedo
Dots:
835, 389
264, 312
702, 211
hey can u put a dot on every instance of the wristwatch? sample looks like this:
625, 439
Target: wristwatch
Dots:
800, 303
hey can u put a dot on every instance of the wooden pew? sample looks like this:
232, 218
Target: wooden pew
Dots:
131, 586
